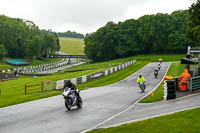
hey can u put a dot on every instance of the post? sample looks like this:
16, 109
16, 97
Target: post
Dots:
43, 86
152, 94
25, 89
0, 91
191, 84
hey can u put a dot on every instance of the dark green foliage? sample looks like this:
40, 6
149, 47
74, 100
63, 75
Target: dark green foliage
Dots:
70, 34
3, 51
102, 42
23, 39
150, 34
194, 22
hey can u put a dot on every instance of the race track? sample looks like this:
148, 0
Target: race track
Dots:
50, 116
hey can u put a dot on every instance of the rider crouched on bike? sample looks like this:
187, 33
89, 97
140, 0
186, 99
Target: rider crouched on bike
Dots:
69, 84
141, 80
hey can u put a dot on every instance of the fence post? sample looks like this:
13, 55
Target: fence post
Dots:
25, 89
191, 84
43, 86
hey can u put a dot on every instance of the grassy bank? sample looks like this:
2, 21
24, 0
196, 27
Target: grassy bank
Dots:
182, 122
155, 58
72, 46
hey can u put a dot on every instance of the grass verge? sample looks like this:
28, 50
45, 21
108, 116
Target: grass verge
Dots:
182, 122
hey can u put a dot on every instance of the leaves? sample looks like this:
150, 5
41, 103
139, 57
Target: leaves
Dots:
23, 39
150, 34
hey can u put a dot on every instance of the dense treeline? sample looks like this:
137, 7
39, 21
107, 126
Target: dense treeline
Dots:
150, 34
23, 39
194, 22
70, 34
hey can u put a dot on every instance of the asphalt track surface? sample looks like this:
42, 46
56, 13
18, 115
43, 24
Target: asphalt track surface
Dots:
63, 67
99, 104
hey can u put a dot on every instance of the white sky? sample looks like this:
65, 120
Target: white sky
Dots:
85, 16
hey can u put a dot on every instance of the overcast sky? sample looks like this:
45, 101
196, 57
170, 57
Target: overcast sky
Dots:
85, 16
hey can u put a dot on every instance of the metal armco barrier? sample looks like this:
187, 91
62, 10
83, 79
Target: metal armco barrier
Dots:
79, 80
195, 83
86, 78
89, 78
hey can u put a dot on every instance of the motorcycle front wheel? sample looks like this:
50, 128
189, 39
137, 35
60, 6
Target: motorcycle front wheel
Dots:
142, 88
80, 102
68, 103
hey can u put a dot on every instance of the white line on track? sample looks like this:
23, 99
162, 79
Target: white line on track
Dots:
145, 118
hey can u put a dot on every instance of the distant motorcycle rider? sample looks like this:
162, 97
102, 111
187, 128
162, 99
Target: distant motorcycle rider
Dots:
142, 80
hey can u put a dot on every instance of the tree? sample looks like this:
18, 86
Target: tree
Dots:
22, 38
34, 48
99, 46
194, 22
3, 51
70, 34
150, 34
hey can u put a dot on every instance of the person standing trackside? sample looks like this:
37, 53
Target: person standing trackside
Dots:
160, 60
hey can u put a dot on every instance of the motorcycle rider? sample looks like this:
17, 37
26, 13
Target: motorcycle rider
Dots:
71, 85
142, 80
159, 66
156, 73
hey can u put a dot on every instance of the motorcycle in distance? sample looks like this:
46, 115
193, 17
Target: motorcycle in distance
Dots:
141, 85
71, 98
156, 73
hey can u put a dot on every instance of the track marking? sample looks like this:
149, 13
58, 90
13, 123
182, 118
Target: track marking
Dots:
149, 117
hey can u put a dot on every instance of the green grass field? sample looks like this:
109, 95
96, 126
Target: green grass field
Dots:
72, 46
155, 58
182, 122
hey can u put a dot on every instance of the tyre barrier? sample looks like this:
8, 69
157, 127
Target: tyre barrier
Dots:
171, 89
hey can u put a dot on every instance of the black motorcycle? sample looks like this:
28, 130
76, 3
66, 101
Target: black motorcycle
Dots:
72, 98
156, 73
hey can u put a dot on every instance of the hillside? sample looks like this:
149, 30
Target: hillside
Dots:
72, 46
